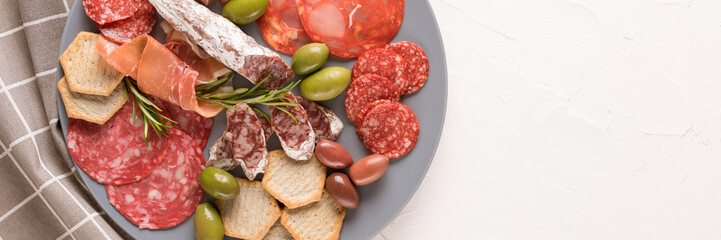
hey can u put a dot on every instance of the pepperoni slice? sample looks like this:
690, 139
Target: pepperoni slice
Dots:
106, 11
416, 65
114, 153
127, 29
368, 107
351, 27
366, 89
295, 133
326, 124
382, 62
170, 193
390, 129
281, 27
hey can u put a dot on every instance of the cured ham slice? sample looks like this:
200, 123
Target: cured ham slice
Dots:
281, 27
225, 41
157, 71
209, 69
351, 27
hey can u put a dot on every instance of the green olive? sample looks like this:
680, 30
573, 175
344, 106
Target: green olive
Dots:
219, 183
208, 225
309, 58
244, 11
325, 84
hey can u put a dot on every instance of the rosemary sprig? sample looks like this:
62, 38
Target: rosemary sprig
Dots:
149, 112
254, 95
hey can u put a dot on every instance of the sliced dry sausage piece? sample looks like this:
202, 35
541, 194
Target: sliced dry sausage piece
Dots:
416, 65
390, 129
114, 153
326, 125
245, 140
351, 27
170, 193
295, 133
267, 129
122, 31
281, 27
382, 62
106, 11
366, 89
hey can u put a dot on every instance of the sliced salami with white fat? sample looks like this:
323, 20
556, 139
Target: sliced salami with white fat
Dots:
267, 129
390, 129
326, 124
170, 193
295, 132
116, 152
246, 141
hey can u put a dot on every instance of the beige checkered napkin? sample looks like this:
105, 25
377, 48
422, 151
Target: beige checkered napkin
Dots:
42, 197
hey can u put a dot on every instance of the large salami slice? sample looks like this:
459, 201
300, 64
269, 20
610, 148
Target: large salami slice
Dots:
390, 129
326, 124
114, 153
351, 27
122, 31
366, 89
382, 62
106, 11
296, 135
246, 140
170, 193
416, 65
281, 27
191, 123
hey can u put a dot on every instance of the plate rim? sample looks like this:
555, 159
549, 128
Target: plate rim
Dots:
63, 118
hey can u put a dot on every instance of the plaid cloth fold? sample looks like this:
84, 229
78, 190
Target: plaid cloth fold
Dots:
42, 196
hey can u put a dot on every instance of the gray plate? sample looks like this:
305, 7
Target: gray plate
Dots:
382, 200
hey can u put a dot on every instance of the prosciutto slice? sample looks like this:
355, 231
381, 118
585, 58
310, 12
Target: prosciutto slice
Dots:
158, 72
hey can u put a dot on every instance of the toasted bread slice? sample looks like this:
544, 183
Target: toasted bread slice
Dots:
278, 232
294, 183
92, 108
251, 214
320, 220
85, 70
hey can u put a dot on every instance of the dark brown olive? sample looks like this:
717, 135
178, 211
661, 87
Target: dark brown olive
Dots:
333, 155
368, 169
342, 191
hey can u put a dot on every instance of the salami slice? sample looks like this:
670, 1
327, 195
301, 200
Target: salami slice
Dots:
191, 123
246, 140
351, 27
390, 129
370, 106
281, 27
106, 11
366, 89
326, 125
122, 31
267, 129
382, 62
296, 135
114, 153
416, 65
170, 193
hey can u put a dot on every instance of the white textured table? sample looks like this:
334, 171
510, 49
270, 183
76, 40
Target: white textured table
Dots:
586, 119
